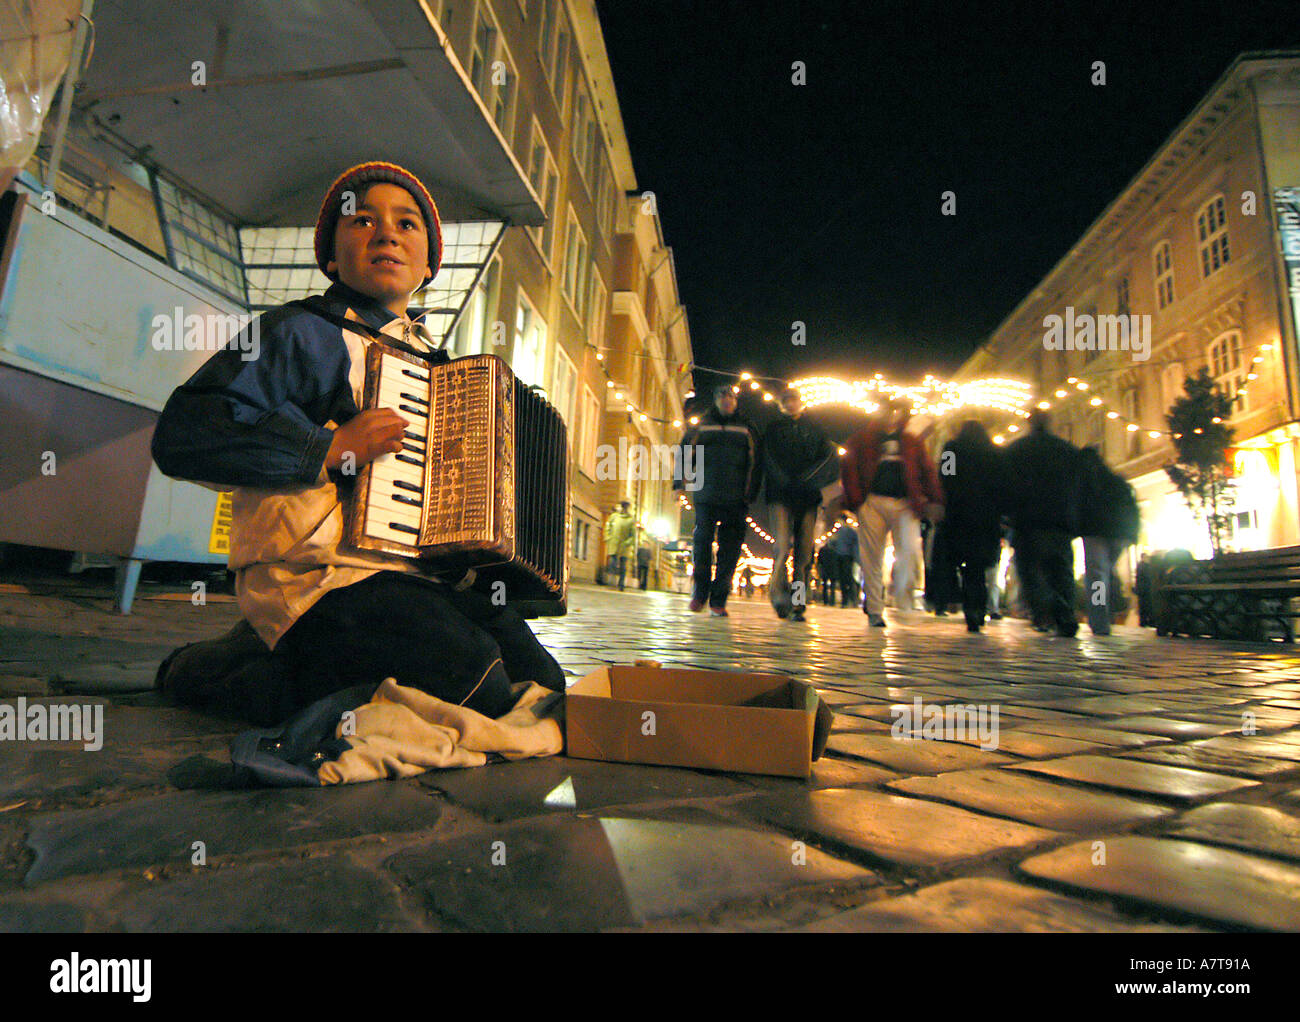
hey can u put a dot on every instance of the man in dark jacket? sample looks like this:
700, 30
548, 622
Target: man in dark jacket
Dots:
798, 460
970, 536
1110, 521
844, 541
828, 572
720, 455
1046, 480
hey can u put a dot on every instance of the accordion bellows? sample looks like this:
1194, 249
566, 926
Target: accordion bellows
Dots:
481, 482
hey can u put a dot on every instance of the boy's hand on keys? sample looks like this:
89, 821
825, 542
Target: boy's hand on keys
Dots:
367, 436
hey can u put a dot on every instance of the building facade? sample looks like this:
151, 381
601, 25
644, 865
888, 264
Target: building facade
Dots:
580, 306
1186, 269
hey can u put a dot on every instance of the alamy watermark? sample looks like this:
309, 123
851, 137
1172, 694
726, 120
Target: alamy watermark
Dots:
1090, 332
53, 722
212, 331
651, 462
948, 722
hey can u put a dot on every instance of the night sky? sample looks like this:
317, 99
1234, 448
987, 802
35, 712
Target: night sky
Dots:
821, 202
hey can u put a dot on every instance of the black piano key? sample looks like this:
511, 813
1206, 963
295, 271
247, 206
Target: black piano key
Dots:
411, 461
406, 500
413, 411
414, 375
402, 484
413, 448
412, 436
403, 527
412, 397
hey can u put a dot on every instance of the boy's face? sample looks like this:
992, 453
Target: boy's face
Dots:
382, 248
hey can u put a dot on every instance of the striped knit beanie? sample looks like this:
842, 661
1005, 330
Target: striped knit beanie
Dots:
356, 180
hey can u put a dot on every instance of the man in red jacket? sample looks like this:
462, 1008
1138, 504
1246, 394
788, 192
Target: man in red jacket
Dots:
892, 483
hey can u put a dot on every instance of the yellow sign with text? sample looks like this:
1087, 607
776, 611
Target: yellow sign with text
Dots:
219, 538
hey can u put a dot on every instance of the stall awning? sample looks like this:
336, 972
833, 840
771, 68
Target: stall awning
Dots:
295, 92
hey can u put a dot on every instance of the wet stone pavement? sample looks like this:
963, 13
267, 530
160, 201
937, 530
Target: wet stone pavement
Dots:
1122, 795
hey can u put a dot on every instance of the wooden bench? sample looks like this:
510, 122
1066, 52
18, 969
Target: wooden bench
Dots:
1250, 595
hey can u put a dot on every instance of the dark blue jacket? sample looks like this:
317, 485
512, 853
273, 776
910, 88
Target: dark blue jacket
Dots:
261, 422
726, 454
798, 460
1045, 477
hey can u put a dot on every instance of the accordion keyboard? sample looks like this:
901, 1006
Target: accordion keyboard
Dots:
397, 480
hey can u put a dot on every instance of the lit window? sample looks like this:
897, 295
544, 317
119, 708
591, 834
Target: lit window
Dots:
1164, 260
1212, 235
1224, 358
530, 343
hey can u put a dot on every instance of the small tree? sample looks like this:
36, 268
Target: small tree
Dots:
1201, 440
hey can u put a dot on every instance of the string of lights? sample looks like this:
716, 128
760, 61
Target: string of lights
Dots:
1074, 387
932, 397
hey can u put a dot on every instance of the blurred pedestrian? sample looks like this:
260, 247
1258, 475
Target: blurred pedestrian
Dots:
643, 556
1142, 589
891, 482
620, 541
1110, 522
798, 460
828, 572
844, 541
996, 578
719, 468
1045, 481
975, 487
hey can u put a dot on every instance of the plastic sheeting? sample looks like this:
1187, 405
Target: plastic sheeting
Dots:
36, 39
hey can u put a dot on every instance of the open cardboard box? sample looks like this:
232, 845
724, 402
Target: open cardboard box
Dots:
712, 720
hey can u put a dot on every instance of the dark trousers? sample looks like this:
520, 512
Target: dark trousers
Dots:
793, 529
941, 566
974, 587
1045, 563
713, 583
849, 595
460, 647
643, 575
618, 566
828, 571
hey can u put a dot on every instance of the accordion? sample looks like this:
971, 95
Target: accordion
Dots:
481, 483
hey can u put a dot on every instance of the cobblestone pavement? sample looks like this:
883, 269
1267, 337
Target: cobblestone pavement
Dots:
1122, 795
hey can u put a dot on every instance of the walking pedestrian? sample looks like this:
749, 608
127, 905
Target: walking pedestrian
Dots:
1045, 485
798, 460
891, 482
844, 541
1142, 589
1110, 522
725, 457
643, 556
996, 578
975, 486
828, 572
620, 541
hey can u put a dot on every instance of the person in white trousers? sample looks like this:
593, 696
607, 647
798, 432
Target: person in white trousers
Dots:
891, 481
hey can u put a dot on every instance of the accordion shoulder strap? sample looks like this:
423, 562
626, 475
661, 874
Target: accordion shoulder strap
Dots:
314, 305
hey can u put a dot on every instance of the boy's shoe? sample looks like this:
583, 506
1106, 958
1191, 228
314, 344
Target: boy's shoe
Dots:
697, 606
719, 612
876, 620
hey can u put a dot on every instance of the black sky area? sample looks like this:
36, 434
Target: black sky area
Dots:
821, 202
